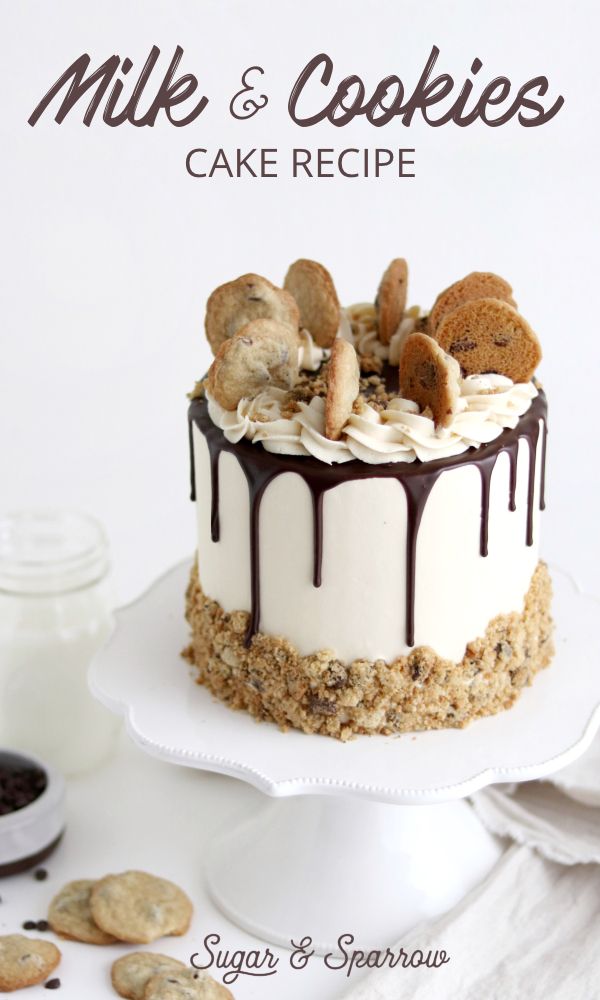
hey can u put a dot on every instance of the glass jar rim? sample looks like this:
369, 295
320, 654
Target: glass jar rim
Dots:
51, 551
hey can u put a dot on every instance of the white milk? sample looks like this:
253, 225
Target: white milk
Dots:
55, 613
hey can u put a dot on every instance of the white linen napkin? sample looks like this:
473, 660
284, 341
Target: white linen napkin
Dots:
531, 928
529, 931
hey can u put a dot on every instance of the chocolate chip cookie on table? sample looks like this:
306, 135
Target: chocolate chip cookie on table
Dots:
134, 907
143, 975
392, 582
25, 961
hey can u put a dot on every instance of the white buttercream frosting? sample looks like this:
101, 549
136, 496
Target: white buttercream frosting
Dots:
488, 404
398, 433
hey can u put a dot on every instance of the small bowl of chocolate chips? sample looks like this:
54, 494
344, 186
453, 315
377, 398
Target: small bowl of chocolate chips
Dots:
32, 811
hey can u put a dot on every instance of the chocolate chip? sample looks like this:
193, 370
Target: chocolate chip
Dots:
40, 874
337, 677
52, 984
320, 706
42, 925
502, 341
21, 782
427, 374
30, 925
462, 345
415, 670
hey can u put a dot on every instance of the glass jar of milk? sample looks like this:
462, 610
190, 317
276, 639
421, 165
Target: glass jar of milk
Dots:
55, 613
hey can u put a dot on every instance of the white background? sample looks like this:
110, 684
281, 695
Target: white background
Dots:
109, 249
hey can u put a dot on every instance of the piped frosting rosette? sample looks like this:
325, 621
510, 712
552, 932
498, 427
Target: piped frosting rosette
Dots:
400, 433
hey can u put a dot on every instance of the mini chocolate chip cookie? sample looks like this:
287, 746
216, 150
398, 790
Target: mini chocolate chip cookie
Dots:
248, 298
391, 299
313, 289
488, 335
343, 384
25, 961
186, 985
261, 354
139, 908
430, 377
131, 973
70, 915
477, 285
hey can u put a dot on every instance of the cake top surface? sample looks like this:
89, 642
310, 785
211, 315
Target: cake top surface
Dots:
297, 374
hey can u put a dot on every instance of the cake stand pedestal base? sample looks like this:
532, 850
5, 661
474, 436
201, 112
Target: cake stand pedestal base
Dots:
323, 867
367, 837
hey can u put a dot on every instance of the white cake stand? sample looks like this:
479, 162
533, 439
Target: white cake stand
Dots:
367, 837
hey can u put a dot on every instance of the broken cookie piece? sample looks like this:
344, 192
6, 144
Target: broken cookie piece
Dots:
314, 291
343, 382
430, 377
391, 298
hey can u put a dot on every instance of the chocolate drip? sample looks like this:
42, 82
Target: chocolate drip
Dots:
417, 479
532, 440
258, 479
485, 471
543, 472
192, 460
317, 499
214, 453
417, 494
512, 451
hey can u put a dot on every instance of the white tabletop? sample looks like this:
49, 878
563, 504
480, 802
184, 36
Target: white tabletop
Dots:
136, 812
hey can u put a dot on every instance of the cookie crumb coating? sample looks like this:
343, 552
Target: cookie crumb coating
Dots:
320, 694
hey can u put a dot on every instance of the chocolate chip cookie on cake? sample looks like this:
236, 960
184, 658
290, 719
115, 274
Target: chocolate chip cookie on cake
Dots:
368, 484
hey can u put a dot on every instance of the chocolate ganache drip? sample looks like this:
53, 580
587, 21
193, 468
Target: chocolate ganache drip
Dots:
417, 479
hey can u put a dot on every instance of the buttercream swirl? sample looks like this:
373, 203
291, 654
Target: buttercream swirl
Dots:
398, 433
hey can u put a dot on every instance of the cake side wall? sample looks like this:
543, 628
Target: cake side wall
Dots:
360, 608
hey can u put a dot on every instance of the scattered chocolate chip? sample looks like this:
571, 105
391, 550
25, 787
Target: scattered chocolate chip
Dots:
42, 925
21, 782
30, 925
40, 874
52, 984
502, 341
